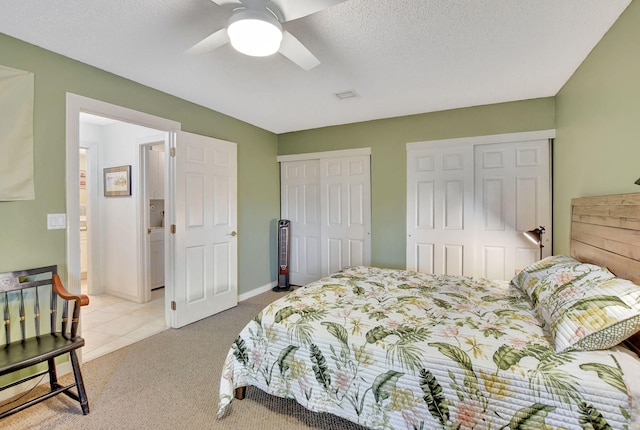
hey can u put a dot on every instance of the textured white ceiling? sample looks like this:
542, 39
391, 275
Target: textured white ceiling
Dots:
401, 57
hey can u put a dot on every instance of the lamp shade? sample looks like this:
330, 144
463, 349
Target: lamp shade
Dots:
535, 235
254, 33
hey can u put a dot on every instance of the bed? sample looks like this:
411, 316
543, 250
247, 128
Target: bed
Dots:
387, 348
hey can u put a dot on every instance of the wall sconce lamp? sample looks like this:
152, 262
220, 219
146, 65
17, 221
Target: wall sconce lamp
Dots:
637, 182
535, 236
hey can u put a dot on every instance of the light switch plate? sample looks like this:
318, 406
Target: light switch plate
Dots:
56, 221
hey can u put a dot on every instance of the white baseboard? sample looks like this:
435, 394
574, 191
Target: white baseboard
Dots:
257, 291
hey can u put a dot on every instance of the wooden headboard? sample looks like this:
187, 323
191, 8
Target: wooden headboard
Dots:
605, 230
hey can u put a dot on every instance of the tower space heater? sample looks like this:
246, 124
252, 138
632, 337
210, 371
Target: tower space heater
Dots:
283, 256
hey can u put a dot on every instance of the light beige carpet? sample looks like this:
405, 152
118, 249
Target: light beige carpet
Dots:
170, 381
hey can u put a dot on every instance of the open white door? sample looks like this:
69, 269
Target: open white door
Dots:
203, 256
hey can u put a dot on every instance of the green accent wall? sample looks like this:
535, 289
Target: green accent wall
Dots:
597, 146
387, 139
27, 243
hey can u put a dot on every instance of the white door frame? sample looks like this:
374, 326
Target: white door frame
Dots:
93, 217
144, 287
75, 105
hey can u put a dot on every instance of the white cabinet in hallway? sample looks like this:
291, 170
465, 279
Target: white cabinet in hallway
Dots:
156, 260
83, 254
156, 174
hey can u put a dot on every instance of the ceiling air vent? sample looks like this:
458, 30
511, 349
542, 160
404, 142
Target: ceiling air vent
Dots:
343, 95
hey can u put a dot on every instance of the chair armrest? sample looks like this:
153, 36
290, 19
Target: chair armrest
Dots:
80, 299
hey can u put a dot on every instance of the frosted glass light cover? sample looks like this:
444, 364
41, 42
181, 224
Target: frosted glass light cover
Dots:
255, 37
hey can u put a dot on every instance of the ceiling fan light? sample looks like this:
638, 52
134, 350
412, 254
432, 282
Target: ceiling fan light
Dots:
254, 33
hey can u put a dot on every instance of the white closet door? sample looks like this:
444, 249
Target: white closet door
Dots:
300, 204
327, 198
345, 212
469, 201
439, 209
512, 195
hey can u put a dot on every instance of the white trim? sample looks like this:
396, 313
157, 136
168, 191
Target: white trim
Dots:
75, 105
249, 294
324, 154
144, 287
100, 108
480, 140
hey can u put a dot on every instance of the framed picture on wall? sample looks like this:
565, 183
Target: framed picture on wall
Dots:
117, 181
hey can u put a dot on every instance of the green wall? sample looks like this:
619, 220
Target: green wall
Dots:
388, 138
597, 147
26, 242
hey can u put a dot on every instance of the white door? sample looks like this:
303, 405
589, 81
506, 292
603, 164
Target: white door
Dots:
345, 197
469, 201
300, 204
327, 198
440, 209
204, 253
512, 195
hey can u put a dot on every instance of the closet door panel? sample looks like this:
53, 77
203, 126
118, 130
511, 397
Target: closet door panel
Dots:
439, 206
469, 201
356, 253
346, 201
328, 201
300, 203
512, 196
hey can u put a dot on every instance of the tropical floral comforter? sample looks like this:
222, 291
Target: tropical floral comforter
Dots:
392, 349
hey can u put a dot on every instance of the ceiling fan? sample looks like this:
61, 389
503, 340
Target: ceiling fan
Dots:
255, 28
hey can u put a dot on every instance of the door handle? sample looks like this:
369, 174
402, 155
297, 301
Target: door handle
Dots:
233, 233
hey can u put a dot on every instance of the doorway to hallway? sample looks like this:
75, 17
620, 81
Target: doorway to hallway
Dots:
120, 315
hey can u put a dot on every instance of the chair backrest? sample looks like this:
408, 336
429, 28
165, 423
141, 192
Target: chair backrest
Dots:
31, 305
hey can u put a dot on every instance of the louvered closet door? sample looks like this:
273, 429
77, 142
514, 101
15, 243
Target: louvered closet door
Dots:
300, 204
439, 208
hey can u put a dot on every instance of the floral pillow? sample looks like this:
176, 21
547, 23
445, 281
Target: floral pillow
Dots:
544, 276
585, 307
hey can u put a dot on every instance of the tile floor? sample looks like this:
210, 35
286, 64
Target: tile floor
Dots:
110, 323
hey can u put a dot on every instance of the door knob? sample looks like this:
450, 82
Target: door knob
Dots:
233, 233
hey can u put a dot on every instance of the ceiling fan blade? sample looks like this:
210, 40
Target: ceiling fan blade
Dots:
225, 2
294, 9
210, 43
295, 51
